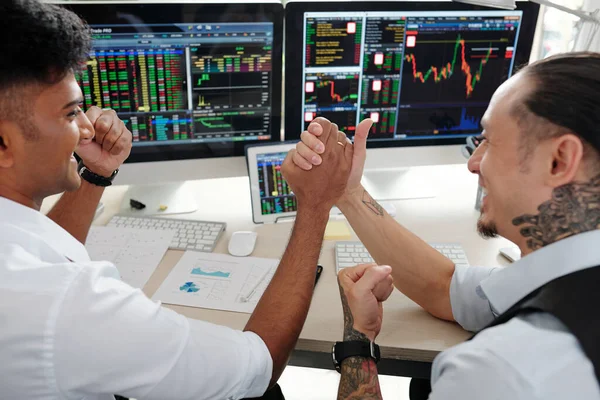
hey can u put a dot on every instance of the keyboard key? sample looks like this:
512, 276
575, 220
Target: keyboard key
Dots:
345, 265
345, 259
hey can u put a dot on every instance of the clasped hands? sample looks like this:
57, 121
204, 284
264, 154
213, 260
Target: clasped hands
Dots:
322, 168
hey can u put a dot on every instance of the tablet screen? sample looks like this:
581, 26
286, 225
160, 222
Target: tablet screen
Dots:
276, 196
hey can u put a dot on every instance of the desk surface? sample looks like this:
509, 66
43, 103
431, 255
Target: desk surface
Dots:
409, 333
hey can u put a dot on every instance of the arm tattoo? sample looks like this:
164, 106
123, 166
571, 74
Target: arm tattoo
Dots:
359, 374
574, 208
372, 204
349, 332
359, 380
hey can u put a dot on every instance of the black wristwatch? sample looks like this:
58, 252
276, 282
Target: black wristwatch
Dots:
93, 178
358, 348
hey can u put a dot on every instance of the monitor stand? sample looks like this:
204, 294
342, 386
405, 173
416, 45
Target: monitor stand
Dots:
178, 198
399, 183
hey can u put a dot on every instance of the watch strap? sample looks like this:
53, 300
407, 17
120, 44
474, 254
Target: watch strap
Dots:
357, 348
94, 178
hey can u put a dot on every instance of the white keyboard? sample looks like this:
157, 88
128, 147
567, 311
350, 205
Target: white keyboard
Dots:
189, 235
350, 254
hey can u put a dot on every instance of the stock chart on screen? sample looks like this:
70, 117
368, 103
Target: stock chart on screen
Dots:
275, 195
417, 75
182, 83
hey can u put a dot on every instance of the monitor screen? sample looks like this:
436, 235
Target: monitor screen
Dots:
276, 196
423, 76
188, 81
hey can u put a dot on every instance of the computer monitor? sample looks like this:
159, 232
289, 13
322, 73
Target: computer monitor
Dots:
423, 71
191, 80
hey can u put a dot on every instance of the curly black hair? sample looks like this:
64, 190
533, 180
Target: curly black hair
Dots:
41, 44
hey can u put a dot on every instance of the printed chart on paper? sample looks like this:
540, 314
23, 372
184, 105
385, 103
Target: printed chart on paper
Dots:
217, 281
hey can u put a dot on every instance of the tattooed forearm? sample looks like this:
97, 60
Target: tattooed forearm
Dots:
349, 332
359, 374
359, 379
372, 204
573, 209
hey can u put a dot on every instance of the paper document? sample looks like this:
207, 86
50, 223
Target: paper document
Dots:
135, 252
217, 281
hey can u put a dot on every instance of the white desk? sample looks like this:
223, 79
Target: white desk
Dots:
409, 333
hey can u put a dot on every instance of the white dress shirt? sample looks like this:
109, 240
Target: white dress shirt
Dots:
70, 329
530, 357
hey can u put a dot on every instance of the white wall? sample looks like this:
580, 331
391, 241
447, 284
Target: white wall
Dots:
589, 29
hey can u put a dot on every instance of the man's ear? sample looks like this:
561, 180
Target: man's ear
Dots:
567, 159
8, 139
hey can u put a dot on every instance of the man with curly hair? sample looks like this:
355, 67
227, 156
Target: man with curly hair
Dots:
69, 328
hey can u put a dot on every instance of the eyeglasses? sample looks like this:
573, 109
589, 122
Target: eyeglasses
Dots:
472, 143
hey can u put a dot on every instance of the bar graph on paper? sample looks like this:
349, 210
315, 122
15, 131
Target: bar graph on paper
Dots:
217, 281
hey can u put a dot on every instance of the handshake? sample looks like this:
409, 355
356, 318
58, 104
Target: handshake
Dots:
324, 168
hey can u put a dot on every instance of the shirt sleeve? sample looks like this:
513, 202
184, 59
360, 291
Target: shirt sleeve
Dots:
470, 373
470, 306
111, 339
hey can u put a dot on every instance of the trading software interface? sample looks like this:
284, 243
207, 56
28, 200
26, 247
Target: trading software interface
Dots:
275, 195
417, 75
178, 83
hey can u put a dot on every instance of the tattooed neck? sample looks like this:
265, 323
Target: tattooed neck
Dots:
574, 208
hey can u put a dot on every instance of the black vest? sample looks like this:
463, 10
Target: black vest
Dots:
575, 300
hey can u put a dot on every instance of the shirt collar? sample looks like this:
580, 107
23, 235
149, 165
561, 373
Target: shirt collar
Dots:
37, 224
508, 285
